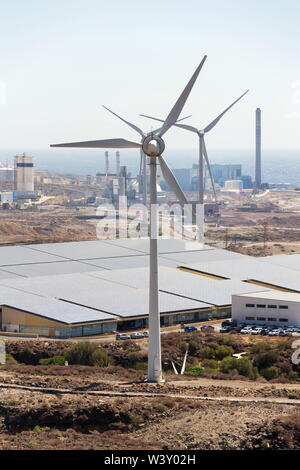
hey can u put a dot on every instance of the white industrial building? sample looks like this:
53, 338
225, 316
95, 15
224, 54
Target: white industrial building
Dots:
233, 185
93, 287
270, 307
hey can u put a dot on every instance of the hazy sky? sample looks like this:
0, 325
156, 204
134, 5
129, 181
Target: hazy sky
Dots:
62, 59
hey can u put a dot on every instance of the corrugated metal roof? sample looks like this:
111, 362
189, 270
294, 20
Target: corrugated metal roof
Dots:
49, 269
250, 268
288, 261
97, 293
181, 283
170, 245
12, 255
91, 249
275, 295
51, 308
129, 262
204, 256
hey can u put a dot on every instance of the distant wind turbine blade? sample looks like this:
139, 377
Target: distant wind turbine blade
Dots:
183, 126
177, 108
215, 121
133, 126
172, 181
106, 144
209, 169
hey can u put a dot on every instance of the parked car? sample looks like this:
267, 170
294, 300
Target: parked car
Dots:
237, 329
246, 331
228, 323
190, 328
136, 335
122, 336
225, 329
207, 327
256, 331
273, 333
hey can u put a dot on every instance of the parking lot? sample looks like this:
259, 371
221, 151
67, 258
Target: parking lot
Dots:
263, 330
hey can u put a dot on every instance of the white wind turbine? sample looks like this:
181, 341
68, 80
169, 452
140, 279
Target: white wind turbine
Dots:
143, 156
202, 152
152, 145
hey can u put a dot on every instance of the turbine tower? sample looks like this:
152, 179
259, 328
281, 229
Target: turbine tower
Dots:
258, 149
202, 152
153, 146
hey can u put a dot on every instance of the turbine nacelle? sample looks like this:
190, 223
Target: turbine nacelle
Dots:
153, 145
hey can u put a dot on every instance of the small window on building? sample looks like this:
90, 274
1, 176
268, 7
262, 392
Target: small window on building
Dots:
261, 318
283, 320
250, 305
260, 306
283, 307
272, 306
272, 319
250, 318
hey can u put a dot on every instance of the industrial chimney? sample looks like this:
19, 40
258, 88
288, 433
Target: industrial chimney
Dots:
258, 149
117, 163
106, 164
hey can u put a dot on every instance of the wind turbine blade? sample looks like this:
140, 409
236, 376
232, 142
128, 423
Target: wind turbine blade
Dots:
133, 126
209, 169
174, 368
172, 181
106, 144
177, 108
184, 363
215, 121
183, 126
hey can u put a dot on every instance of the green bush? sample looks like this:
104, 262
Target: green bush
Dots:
195, 370
246, 368
9, 359
193, 347
210, 364
229, 364
229, 341
207, 353
270, 373
53, 361
223, 351
41, 428
88, 354
260, 347
266, 360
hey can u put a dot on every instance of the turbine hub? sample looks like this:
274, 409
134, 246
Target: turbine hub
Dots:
153, 145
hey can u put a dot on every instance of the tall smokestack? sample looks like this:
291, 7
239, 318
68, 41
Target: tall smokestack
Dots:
117, 163
106, 164
258, 150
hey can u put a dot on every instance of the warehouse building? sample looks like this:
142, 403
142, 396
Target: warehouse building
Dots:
88, 288
267, 308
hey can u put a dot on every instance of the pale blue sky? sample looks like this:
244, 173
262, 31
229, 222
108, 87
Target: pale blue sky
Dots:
62, 59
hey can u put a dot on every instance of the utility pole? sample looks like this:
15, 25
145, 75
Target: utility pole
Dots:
265, 234
226, 238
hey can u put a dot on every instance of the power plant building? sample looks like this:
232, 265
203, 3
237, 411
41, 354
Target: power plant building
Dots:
24, 176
